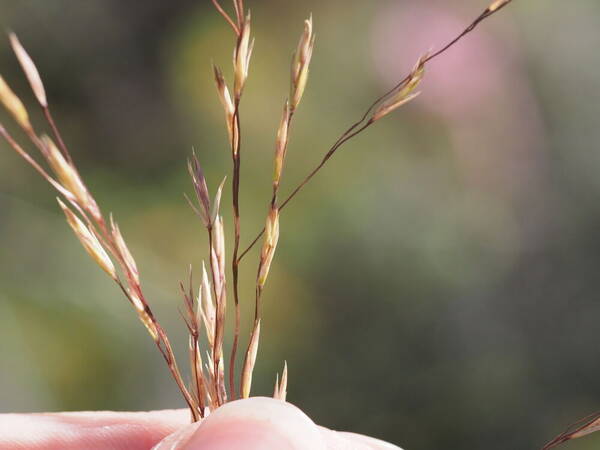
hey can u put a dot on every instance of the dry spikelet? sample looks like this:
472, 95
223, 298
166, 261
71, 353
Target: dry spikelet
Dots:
69, 177
281, 144
269, 246
14, 106
301, 63
130, 264
137, 303
206, 307
219, 280
250, 361
89, 241
241, 58
225, 99
495, 6
31, 72
219, 246
201, 189
581, 428
588, 429
280, 392
145, 318
217, 201
150, 326
276, 388
385, 109
406, 93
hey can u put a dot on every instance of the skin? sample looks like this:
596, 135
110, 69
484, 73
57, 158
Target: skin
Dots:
253, 424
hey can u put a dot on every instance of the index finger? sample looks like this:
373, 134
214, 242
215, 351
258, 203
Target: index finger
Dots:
90, 430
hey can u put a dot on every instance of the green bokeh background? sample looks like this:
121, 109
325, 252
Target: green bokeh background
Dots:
435, 286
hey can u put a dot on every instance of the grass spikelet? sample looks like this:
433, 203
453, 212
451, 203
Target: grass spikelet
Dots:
89, 241
280, 391
241, 58
69, 177
31, 72
301, 63
250, 361
581, 428
14, 106
405, 93
124, 253
269, 246
495, 6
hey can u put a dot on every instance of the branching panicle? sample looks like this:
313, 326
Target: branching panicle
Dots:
204, 308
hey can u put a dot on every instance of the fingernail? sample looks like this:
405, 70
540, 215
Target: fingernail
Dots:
255, 424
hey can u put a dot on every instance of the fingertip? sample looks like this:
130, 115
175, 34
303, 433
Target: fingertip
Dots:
253, 424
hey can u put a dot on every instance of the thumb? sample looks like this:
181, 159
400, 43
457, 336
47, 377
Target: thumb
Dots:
257, 423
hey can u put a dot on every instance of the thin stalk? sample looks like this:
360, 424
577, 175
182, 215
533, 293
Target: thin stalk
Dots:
167, 353
308, 177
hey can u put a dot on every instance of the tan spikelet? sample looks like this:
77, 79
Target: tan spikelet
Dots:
281, 144
386, 109
206, 307
495, 6
249, 361
217, 201
89, 241
14, 106
269, 246
224, 97
301, 63
280, 392
124, 252
68, 176
406, 92
31, 72
241, 59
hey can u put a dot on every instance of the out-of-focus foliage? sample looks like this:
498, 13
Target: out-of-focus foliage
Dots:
435, 286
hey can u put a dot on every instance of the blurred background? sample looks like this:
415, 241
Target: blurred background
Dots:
435, 286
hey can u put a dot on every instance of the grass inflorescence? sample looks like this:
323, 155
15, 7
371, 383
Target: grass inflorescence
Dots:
204, 305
